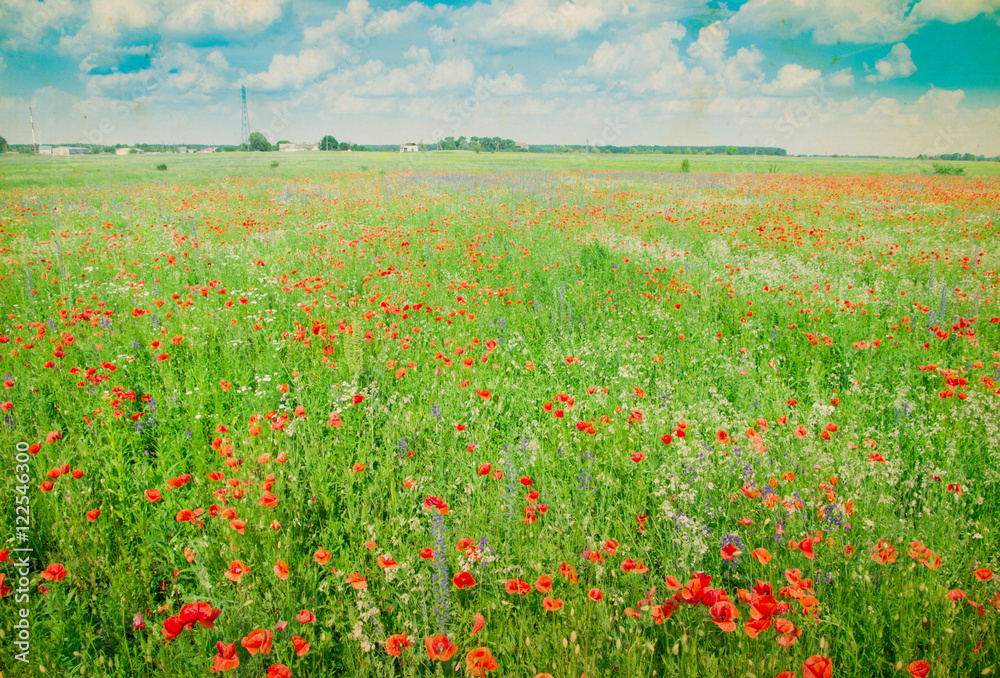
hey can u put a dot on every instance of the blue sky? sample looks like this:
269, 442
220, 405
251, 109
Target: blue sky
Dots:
887, 77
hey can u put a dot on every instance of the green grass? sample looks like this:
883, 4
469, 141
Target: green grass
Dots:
219, 318
43, 171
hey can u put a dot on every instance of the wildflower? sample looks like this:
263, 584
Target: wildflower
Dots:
300, 646
919, 669
395, 644
518, 587
817, 667
479, 661
236, 570
464, 580
258, 640
439, 647
225, 657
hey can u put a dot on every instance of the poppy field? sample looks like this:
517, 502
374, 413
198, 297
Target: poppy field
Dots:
481, 422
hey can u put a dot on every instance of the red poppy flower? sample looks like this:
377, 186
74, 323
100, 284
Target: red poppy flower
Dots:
300, 646
258, 640
817, 667
595, 595
723, 613
440, 648
225, 657
92, 515
518, 587
984, 574
236, 570
395, 644
279, 670
322, 556
54, 572
305, 617
919, 669
463, 580
479, 661
568, 571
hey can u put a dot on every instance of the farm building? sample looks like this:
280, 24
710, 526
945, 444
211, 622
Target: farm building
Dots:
70, 150
409, 147
298, 147
127, 151
45, 150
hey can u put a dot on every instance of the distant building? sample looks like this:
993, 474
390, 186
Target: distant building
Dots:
128, 151
409, 147
45, 150
208, 149
522, 145
298, 147
70, 150
182, 149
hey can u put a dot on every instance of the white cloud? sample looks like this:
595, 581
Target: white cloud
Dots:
26, 21
710, 47
176, 71
228, 16
897, 64
503, 84
293, 71
953, 11
791, 79
643, 63
830, 21
842, 78
517, 22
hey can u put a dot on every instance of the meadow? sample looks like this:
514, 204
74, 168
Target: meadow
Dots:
366, 415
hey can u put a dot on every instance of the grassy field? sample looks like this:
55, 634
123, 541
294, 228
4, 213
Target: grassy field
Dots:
498, 415
42, 171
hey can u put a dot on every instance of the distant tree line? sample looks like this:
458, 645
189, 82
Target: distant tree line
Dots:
967, 157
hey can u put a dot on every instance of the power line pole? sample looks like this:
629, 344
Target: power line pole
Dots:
245, 122
31, 115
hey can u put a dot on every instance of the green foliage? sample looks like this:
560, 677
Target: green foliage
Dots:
258, 142
685, 166
732, 150
274, 164
162, 167
328, 143
3, 145
948, 170
705, 310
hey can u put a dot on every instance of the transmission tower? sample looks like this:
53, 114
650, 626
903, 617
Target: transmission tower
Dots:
34, 144
245, 123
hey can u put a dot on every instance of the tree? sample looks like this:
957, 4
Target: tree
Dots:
258, 142
732, 150
3, 145
328, 143
344, 146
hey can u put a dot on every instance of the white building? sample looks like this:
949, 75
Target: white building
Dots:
45, 150
128, 151
209, 149
409, 147
298, 147
70, 150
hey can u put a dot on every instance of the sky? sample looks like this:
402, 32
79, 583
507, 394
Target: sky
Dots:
857, 77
